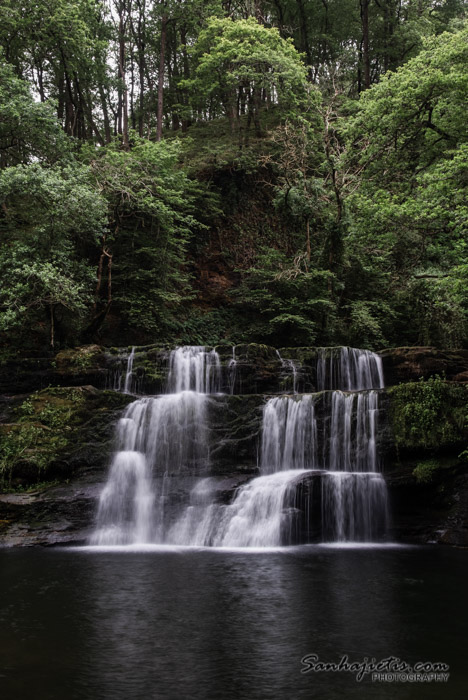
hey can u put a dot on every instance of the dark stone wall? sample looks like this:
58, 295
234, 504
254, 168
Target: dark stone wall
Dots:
428, 483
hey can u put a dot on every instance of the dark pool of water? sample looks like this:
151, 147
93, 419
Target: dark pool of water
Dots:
221, 625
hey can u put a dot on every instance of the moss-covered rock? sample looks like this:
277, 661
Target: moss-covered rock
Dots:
429, 499
429, 415
409, 364
77, 359
235, 423
46, 428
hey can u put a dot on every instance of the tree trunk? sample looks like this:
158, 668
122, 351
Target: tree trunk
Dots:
132, 94
304, 33
105, 115
256, 113
365, 42
186, 68
52, 326
162, 54
123, 116
259, 11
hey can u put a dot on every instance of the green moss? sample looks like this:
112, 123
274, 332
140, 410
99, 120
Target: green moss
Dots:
37, 487
424, 471
429, 414
47, 424
44, 426
78, 359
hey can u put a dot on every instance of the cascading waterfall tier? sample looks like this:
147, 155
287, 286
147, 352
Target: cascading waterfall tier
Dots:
129, 373
348, 369
193, 368
319, 467
353, 504
350, 426
346, 441
232, 371
161, 442
122, 377
289, 435
291, 370
255, 518
354, 507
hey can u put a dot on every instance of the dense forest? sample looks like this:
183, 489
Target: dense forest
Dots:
290, 172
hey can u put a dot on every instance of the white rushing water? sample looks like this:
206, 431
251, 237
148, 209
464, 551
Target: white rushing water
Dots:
255, 518
160, 442
291, 368
322, 445
194, 368
129, 372
354, 506
349, 369
232, 371
122, 378
353, 493
350, 432
289, 434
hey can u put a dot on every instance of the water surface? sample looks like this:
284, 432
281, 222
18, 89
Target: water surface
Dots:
161, 622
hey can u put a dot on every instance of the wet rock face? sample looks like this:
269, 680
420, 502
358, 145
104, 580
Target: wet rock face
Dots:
429, 512
235, 432
56, 516
49, 495
25, 375
411, 364
429, 503
245, 369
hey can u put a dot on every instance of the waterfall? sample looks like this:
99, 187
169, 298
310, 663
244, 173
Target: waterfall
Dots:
348, 369
160, 443
232, 371
256, 517
193, 368
126, 503
350, 431
291, 369
289, 434
319, 464
129, 372
121, 378
354, 507
353, 494
290, 437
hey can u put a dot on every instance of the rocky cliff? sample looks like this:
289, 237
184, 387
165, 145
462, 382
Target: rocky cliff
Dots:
58, 416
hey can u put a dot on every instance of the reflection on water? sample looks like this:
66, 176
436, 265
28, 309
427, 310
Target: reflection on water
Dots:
171, 623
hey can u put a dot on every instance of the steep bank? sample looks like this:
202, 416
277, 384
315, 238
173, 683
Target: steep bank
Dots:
421, 434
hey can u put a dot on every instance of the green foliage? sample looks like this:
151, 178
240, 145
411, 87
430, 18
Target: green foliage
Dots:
336, 213
245, 55
424, 471
408, 212
78, 359
429, 414
14, 445
292, 301
415, 116
365, 329
43, 431
49, 217
206, 327
152, 218
29, 130
439, 308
